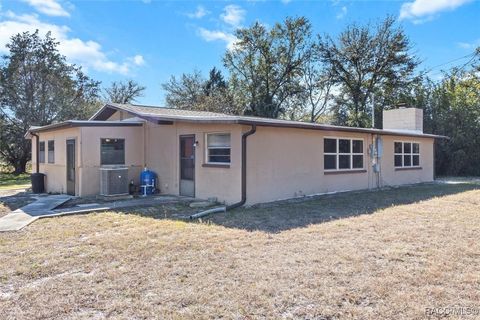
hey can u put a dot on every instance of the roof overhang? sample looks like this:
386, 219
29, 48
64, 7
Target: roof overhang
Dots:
81, 123
108, 110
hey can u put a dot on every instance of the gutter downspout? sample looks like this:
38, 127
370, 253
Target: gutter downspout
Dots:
244, 168
37, 151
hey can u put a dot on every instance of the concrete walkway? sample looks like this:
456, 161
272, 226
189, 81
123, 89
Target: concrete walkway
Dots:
20, 218
44, 207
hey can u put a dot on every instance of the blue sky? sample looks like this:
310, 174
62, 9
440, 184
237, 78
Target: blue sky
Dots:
150, 40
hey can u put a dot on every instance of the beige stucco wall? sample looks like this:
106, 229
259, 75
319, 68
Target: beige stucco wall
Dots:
162, 156
288, 163
392, 177
282, 162
87, 152
56, 173
89, 167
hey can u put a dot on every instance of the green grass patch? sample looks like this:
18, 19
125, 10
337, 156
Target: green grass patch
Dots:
12, 181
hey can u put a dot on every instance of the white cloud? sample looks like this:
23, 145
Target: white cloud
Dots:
48, 7
342, 13
216, 35
469, 45
425, 9
88, 54
233, 15
199, 13
138, 60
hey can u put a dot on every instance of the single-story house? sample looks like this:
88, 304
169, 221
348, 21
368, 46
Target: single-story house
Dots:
235, 159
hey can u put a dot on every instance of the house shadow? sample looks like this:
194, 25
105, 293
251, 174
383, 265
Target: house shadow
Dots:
16, 199
297, 213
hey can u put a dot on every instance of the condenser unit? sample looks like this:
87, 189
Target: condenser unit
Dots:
113, 181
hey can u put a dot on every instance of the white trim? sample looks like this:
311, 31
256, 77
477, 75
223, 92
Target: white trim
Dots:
207, 148
403, 154
338, 153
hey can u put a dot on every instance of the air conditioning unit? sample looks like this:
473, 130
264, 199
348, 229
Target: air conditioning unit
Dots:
113, 181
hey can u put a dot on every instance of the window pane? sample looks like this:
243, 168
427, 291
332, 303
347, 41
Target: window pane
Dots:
112, 151
51, 151
51, 157
329, 145
398, 147
357, 162
219, 155
407, 147
219, 159
344, 162
357, 146
330, 162
407, 161
218, 140
416, 148
186, 147
219, 152
344, 146
187, 171
416, 160
398, 161
41, 153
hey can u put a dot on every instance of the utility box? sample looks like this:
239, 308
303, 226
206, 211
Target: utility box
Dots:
113, 181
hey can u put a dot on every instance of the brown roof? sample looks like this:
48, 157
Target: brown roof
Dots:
161, 114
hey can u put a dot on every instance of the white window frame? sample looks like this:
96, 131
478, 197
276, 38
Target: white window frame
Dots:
338, 153
207, 148
403, 154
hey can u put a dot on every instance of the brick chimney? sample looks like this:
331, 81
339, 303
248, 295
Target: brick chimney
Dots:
403, 118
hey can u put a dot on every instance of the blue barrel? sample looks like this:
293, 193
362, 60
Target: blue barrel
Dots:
148, 180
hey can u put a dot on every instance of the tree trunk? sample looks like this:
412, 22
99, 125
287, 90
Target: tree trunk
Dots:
20, 166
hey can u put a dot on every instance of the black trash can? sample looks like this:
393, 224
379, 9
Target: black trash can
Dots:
38, 182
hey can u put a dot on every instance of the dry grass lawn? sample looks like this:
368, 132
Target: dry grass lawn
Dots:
368, 255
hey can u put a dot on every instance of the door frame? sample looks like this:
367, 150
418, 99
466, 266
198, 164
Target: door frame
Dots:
180, 162
74, 164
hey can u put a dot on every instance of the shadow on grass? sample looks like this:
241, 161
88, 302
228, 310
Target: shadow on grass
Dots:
10, 201
296, 213
174, 210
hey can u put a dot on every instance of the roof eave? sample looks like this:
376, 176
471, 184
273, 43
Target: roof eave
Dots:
86, 123
310, 126
238, 120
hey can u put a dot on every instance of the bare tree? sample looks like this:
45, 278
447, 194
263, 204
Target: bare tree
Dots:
318, 84
365, 59
194, 92
124, 92
185, 92
266, 65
